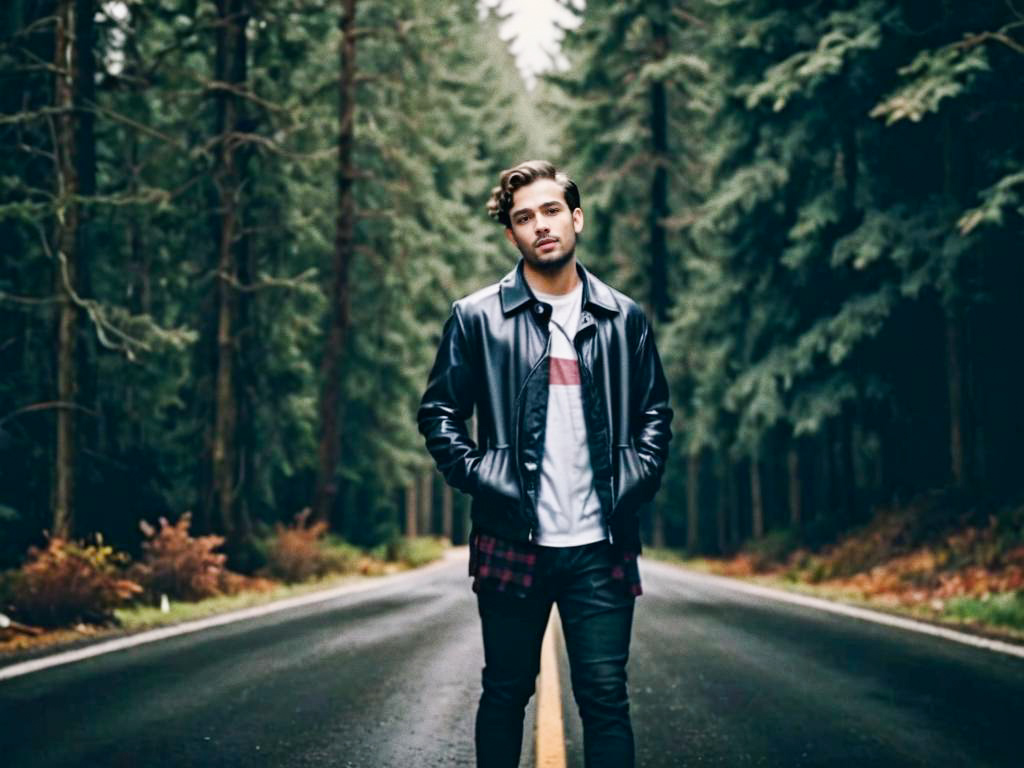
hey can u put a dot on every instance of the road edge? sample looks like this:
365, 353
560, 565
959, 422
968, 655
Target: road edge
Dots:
123, 642
845, 609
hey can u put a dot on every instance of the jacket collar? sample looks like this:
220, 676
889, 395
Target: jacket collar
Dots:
516, 293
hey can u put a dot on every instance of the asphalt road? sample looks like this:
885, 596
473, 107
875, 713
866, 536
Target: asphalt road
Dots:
390, 677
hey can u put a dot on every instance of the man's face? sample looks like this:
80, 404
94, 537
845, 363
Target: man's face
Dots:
543, 228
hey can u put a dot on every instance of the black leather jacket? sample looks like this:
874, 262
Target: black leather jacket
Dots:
494, 355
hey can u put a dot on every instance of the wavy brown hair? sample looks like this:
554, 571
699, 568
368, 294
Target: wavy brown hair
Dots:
500, 204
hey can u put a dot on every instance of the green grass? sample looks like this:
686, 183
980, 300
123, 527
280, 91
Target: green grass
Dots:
1001, 614
147, 617
678, 556
403, 553
1003, 610
398, 555
418, 551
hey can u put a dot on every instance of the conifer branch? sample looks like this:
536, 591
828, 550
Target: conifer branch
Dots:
302, 282
243, 93
46, 406
141, 127
30, 300
108, 333
30, 115
1001, 36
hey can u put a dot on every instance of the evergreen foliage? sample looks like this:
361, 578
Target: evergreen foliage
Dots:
843, 283
820, 205
438, 114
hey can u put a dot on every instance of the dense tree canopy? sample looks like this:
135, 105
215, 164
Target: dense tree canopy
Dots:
230, 231
845, 192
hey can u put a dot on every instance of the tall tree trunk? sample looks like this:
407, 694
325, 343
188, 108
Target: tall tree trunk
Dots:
977, 462
829, 472
722, 502
756, 496
344, 235
90, 432
659, 202
141, 289
693, 500
447, 513
733, 490
411, 528
795, 494
956, 365
426, 505
659, 181
846, 462
246, 355
230, 68
955, 386
66, 63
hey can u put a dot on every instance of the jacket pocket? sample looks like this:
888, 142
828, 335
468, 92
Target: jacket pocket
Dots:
630, 478
496, 477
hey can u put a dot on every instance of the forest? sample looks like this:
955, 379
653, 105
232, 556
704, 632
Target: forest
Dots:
231, 231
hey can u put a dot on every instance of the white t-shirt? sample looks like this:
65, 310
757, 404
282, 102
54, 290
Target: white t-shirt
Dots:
568, 506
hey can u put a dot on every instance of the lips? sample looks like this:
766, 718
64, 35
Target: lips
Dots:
546, 242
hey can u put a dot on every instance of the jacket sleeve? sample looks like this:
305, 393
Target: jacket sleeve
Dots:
447, 404
652, 413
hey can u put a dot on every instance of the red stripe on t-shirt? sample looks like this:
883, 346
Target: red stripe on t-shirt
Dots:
564, 371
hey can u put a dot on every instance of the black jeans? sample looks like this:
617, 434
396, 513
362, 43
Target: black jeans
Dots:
597, 618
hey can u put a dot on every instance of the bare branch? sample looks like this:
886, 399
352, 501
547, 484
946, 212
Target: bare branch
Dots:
41, 63
219, 85
104, 329
29, 149
37, 114
46, 406
34, 26
142, 128
143, 196
1000, 36
687, 16
300, 282
31, 300
387, 79
235, 139
360, 33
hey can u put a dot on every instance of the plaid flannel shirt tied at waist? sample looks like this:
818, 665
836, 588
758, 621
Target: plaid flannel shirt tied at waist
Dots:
509, 566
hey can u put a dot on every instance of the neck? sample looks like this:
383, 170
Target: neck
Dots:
562, 281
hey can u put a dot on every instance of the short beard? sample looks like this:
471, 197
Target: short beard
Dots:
553, 266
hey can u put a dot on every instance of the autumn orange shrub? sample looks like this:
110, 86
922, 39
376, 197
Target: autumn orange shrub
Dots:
180, 565
930, 551
68, 582
294, 553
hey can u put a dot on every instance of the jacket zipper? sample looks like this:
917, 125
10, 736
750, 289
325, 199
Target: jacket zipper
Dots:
579, 362
515, 431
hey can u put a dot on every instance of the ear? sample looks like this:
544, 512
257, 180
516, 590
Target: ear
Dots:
577, 220
509, 235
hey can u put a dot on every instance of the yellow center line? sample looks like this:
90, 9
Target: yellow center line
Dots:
550, 730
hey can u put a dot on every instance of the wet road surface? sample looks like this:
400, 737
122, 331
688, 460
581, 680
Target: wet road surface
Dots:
390, 677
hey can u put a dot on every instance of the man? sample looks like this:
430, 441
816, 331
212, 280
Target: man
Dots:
573, 427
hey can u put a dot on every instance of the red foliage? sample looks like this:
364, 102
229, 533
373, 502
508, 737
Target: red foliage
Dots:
294, 554
69, 582
182, 566
924, 553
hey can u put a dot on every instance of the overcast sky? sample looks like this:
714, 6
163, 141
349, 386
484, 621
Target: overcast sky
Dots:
532, 24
